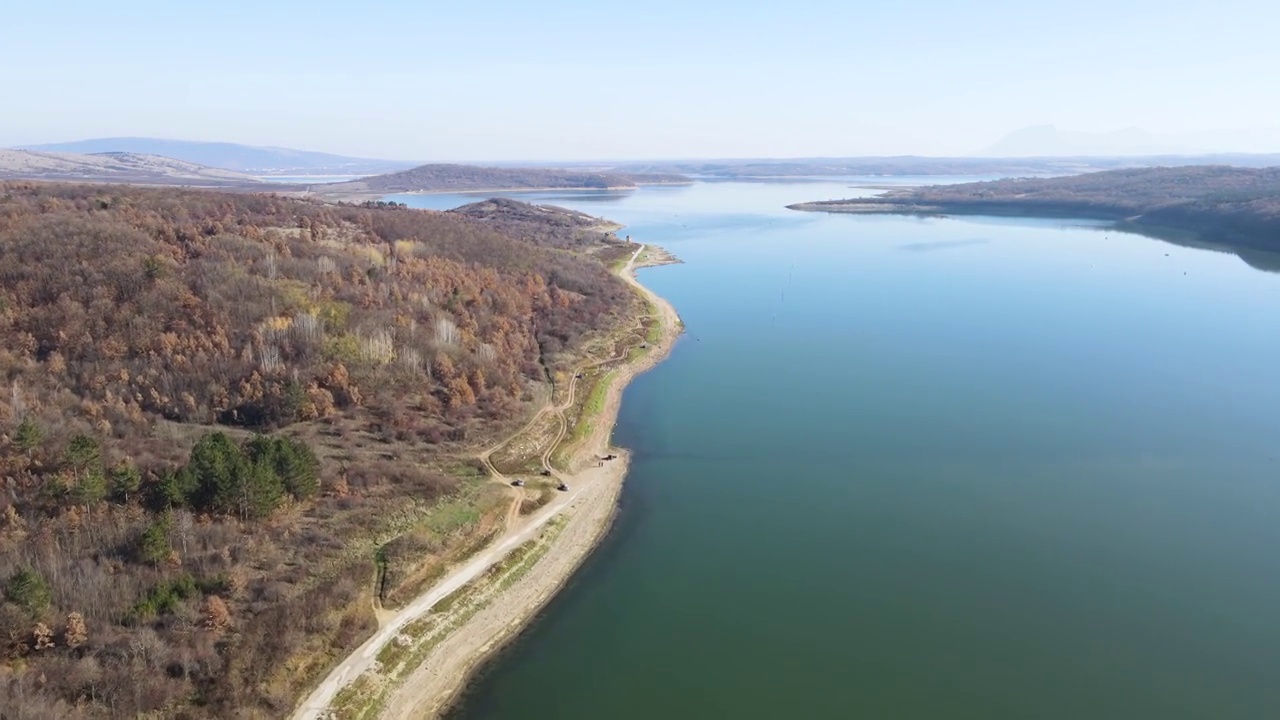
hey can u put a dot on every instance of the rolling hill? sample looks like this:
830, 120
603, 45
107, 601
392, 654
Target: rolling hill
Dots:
114, 167
233, 156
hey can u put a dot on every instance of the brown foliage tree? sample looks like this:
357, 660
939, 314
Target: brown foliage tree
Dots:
217, 618
77, 632
127, 315
43, 636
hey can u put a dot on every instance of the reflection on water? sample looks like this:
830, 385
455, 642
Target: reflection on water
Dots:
309, 179
1035, 477
942, 245
1257, 259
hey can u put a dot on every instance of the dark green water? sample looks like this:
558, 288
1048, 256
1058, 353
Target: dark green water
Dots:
903, 468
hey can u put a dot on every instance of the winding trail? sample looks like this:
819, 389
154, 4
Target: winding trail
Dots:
594, 487
486, 457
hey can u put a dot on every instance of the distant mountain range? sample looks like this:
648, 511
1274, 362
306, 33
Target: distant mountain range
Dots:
1016, 166
115, 167
1036, 151
233, 156
746, 169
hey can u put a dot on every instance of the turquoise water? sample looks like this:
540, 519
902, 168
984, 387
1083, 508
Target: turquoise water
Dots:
908, 468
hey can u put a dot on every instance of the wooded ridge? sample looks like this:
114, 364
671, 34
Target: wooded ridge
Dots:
1231, 206
224, 413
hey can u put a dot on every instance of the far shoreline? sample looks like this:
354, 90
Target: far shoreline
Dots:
382, 195
1238, 244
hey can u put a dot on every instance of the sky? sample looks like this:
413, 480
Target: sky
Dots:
574, 80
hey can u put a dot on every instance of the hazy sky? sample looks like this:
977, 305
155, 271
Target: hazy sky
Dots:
568, 79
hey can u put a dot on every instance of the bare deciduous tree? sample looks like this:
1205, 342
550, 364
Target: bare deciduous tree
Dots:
183, 525
308, 329
17, 405
410, 360
269, 358
378, 347
446, 331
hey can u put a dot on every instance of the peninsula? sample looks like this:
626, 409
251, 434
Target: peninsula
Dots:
246, 436
473, 178
1231, 207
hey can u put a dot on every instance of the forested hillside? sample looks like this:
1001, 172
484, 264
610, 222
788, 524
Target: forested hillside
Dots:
542, 224
1228, 205
216, 407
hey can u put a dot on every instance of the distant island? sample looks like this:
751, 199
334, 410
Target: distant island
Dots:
463, 178
1228, 206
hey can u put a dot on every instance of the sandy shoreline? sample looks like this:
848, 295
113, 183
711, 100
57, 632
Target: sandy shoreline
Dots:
564, 533
434, 687
440, 681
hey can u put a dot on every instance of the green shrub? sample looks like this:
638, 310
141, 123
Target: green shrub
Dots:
27, 589
28, 435
125, 482
292, 462
248, 482
83, 453
166, 596
153, 544
152, 267
91, 487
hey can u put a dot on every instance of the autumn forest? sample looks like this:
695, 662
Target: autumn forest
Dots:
217, 406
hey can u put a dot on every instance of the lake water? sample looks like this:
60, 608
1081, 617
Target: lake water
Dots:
308, 179
926, 468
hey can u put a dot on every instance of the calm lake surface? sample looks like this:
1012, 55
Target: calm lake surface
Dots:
906, 468
308, 179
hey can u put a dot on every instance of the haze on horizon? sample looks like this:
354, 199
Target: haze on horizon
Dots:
572, 80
